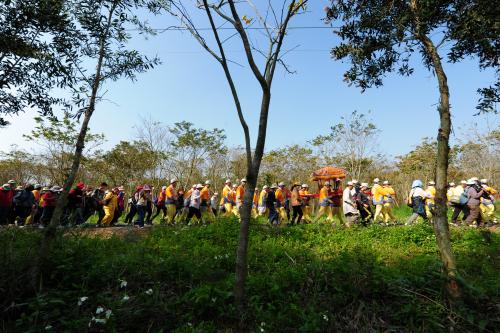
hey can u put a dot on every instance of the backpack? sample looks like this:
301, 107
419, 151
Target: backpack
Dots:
464, 198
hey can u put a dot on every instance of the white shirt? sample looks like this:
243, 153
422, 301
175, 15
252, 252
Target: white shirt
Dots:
348, 203
195, 199
419, 192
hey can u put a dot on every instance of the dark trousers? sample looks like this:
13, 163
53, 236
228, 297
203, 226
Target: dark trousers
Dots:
297, 211
4, 215
141, 212
474, 215
273, 215
48, 211
457, 209
149, 211
160, 208
21, 214
116, 216
193, 212
131, 213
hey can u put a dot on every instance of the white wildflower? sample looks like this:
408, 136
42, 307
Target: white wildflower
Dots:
125, 298
149, 291
99, 310
48, 327
108, 313
100, 321
214, 299
81, 300
123, 283
325, 317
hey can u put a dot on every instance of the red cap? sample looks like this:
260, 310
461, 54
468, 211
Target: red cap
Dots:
80, 185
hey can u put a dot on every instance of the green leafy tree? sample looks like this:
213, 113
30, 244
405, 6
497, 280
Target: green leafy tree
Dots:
350, 144
103, 42
57, 139
127, 163
192, 148
37, 54
20, 165
289, 164
380, 37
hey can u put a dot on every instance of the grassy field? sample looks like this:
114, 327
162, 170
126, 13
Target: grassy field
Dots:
310, 278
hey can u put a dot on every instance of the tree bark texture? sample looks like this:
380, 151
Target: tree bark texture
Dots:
441, 228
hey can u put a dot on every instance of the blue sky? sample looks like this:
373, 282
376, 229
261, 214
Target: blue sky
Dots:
190, 86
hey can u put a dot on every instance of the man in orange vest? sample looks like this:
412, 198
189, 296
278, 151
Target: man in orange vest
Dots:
280, 201
206, 212
171, 200
226, 199
240, 195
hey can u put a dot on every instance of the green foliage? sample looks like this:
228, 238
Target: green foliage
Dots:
37, 40
310, 278
379, 37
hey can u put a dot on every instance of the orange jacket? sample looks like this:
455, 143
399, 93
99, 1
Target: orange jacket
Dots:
205, 194
171, 193
240, 194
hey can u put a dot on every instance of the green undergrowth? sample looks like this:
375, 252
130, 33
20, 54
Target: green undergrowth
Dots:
310, 278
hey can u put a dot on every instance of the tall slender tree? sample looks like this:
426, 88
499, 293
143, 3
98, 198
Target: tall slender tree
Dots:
379, 37
103, 38
227, 11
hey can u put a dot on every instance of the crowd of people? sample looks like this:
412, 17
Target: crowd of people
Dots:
358, 203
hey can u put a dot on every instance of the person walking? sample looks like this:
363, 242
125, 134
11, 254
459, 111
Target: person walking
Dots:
161, 205
171, 200
109, 206
75, 204
458, 207
378, 200
194, 204
430, 201
98, 195
5, 204
389, 200
487, 205
214, 202
142, 200
24, 202
336, 194
416, 200
271, 201
364, 200
306, 203
240, 196
280, 194
349, 206
227, 198
473, 192
296, 203
49, 204
324, 203
205, 210
262, 206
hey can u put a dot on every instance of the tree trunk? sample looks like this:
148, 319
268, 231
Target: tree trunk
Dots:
241, 252
252, 174
50, 231
440, 214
